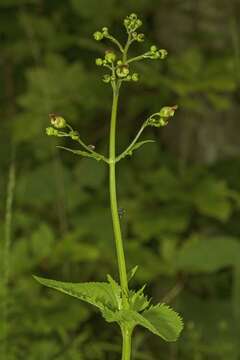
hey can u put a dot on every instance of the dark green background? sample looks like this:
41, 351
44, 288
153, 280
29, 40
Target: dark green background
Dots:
181, 194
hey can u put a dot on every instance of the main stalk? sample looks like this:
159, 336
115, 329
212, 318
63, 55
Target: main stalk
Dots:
113, 195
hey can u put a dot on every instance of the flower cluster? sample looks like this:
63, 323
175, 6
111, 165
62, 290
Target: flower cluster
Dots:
99, 35
162, 117
119, 67
155, 53
132, 23
58, 123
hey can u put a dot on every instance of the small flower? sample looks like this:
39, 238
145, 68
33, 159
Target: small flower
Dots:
110, 56
161, 118
122, 71
153, 49
140, 37
105, 31
57, 121
50, 131
106, 78
74, 135
162, 53
98, 35
99, 62
135, 77
168, 111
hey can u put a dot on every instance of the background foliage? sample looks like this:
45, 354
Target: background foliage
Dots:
181, 194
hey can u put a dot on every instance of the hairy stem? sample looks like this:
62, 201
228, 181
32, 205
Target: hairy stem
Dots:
113, 195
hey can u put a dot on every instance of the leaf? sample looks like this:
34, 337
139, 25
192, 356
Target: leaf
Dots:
138, 301
98, 294
161, 320
83, 153
132, 272
116, 290
208, 255
137, 146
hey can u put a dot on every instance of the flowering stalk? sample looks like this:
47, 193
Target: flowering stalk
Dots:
116, 302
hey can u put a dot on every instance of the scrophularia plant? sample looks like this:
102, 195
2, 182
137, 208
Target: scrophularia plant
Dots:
116, 301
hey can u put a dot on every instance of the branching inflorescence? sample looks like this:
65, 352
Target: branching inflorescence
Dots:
117, 302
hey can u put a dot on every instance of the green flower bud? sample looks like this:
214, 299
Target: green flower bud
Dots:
50, 131
57, 121
140, 37
162, 53
122, 71
138, 23
110, 56
133, 16
168, 111
134, 35
74, 135
98, 36
99, 62
105, 31
153, 49
119, 62
135, 77
106, 78
161, 118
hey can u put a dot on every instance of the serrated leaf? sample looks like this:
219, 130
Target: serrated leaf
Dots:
162, 321
98, 294
116, 290
82, 153
138, 301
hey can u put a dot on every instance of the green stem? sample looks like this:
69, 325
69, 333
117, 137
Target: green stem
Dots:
136, 58
113, 195
123, 154
126, 344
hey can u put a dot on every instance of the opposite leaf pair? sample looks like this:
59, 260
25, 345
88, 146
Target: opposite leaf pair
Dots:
128, 310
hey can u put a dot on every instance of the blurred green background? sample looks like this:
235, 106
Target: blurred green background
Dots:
181, 195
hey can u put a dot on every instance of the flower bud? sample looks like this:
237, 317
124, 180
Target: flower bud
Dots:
168, 111
99, 62
74, 135
140, 37
133, 16
110, 56
122, 71
134, 35
106, 78
98, 36
135, 77
153, 49
50, 131
105, 31
162, 53
57, 121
